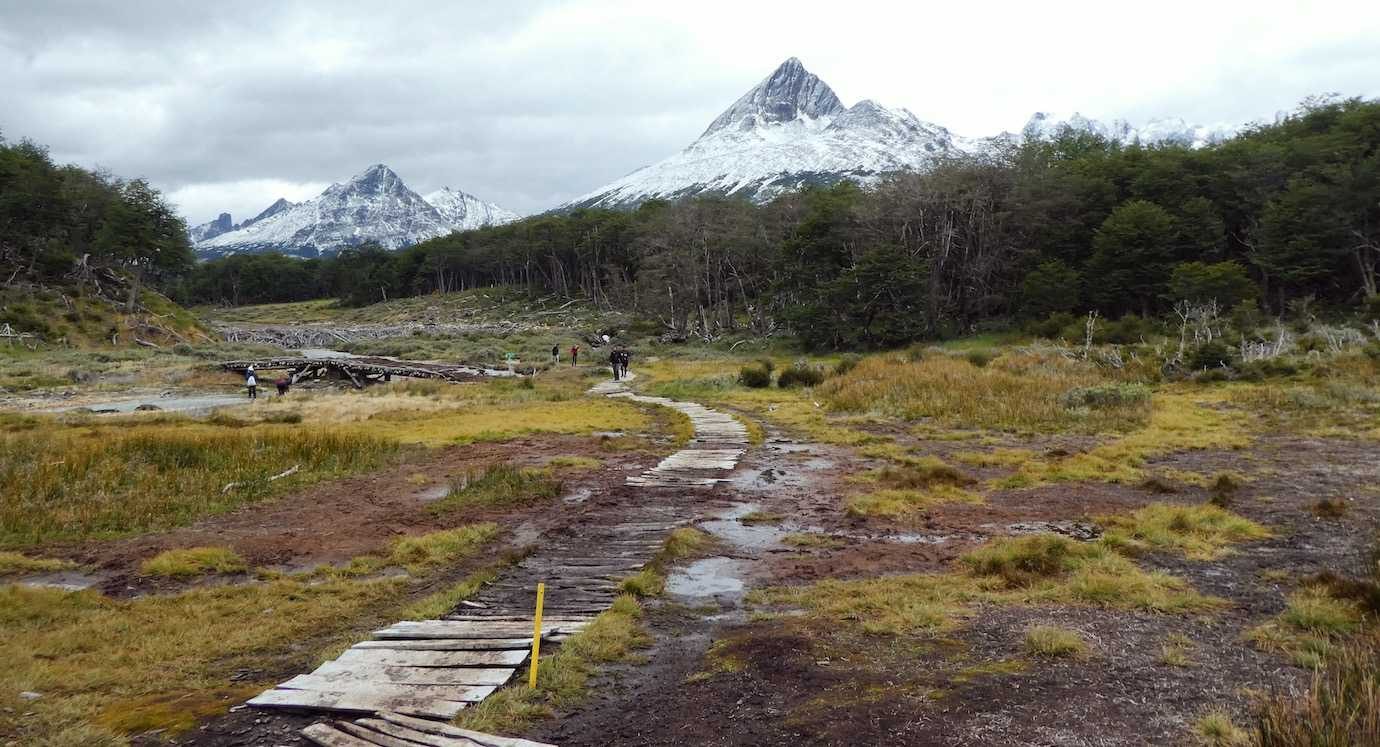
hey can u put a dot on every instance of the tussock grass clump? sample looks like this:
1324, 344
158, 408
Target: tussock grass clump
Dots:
1308, 628
1201, 532
1013, 393
575, 462
1330, 508
1106, 396
59, 483
1021, 561
1342, 707
1215, 729
761, 517
563, 677
812, 539
499, 486
756, 376
448, 545
13, 563
896, 502
190, 562
1176, 650
1049, 640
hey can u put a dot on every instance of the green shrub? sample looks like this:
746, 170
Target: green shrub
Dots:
1124, 331
846, 363
800, 374
980, 358
755, 377
1051, 326
1106, 396
1215, 354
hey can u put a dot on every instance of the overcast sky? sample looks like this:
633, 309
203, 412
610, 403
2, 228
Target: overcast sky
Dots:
226, 106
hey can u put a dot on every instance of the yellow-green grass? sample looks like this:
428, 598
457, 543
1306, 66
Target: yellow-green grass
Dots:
1054, 641
1216, 729
61, 482
446, 546
812, 540
13, 563
1180, 420
761, 517
575, 462
563, 677
188, 562
499, 486
1025, 570
1177, 650
438, 427
1309, 627
1014, 393
651, 580
1200, 532
892, 503
106, 666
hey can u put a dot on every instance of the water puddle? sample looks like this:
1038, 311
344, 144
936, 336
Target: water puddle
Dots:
729, 527
64, 580
710, 577
434, 493
577, 497
192, 404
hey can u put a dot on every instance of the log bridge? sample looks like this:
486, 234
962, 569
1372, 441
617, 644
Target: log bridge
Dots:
362, 371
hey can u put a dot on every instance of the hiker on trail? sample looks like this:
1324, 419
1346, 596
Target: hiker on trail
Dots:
574, 354
624, 357
615, 360
251, 381
555, 354
282, 385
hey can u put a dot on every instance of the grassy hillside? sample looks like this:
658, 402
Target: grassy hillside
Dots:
57, 316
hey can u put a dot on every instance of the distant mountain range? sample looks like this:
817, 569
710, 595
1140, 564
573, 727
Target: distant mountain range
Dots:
373, 207
791, 130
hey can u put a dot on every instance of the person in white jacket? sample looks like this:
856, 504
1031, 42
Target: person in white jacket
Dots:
251, 381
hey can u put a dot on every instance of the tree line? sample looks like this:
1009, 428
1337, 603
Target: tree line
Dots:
1283, 212
63, 225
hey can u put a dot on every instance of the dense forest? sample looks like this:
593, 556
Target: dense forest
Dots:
1284, 216
64, 225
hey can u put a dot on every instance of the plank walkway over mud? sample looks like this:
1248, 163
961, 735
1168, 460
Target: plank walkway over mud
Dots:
413, 675
361, 370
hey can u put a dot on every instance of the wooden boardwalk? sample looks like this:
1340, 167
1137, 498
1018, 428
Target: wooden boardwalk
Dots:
410, 677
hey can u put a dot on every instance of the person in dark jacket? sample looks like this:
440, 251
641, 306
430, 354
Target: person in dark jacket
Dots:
555, 354
616, 362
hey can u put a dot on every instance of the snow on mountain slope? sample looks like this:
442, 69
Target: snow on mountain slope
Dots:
1164, 131
211, 229
375, 206
466, 212
791, 130
788, 131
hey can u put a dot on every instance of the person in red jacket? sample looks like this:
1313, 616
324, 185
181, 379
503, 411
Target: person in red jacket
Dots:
574, 354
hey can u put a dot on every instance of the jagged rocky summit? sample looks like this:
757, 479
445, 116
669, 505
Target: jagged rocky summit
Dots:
375, 206
791, 130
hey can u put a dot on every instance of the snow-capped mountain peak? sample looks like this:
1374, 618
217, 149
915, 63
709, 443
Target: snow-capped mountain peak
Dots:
374, 206
465, 211
791, 92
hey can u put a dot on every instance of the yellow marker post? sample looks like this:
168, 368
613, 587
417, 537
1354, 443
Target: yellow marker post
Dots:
536, 638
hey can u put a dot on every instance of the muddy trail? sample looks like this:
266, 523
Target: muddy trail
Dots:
601, 537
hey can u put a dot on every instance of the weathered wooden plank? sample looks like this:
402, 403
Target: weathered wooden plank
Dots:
335, 684
397, 657
431, 727
356, 703
376, 737
403, 674
451, 644
413, 737
466, 629
328, 736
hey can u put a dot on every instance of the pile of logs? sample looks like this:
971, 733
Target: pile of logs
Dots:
362, 371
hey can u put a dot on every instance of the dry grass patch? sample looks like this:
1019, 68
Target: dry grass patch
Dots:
65, 482
446, 546
1200, 532
499, 486
1177, 650
1020, 393
575, 462
101, 662
1049, 640
680, 543
1024, 570
190, 562
1215, 729
894, 503
1309, 627
813, 540
13, 564
1342, 707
